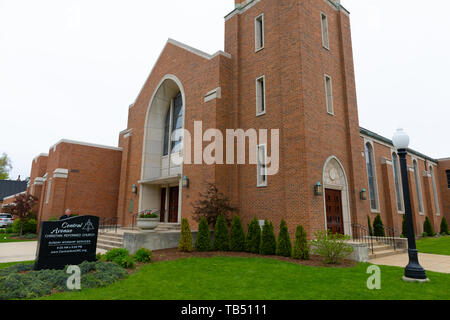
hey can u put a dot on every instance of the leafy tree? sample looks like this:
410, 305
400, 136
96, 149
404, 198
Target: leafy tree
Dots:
378, 227
185, 244
221, 238
268, 241
301, 249
444, 226
284, 245
370, 226
428, 227
22, 208
212, 204
5, 167
237, 241
253, 239
203, 242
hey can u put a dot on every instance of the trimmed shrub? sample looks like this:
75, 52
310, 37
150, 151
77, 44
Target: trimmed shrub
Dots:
331, 246
268, 241
444, 226
424, 234
428, 227
370, 226
185, 244
253, 239
237, 240
378, 227
119, 256
301, 249
221, 237
203, 242
404, 228
143, 255
284, 245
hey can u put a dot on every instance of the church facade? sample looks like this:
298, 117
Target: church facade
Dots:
287, 70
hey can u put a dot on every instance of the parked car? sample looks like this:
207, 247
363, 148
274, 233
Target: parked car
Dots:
5, 220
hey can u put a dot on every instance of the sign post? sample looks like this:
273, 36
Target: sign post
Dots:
67, 242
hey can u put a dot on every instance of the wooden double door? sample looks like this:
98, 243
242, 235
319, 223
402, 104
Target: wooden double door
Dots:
335, 218
172, 208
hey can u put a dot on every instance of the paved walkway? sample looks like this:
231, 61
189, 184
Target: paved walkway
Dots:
21, 251
430, 262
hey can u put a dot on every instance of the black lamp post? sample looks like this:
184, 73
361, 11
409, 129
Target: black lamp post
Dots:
413, 271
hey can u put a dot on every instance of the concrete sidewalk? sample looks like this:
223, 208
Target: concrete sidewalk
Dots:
430, 262
21, 251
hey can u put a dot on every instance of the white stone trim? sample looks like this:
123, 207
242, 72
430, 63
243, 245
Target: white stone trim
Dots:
213, 94
61, 173
241, 8
38, 181
86, 144
40, 155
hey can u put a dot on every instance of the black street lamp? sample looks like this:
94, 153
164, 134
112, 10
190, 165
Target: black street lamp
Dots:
413, 271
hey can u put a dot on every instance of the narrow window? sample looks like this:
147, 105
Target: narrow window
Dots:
325, 38
373, 194
329, 94
260, 96
261, 166
49, 188
177, 124
259, 32
418, 186
436, 200
166, 134
397, 181
448, 178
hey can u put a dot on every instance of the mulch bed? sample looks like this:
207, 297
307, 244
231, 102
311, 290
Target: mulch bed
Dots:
174, 254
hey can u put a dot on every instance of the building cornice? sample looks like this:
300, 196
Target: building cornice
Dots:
86, 144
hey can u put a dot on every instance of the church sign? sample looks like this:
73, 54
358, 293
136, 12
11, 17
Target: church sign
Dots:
67, 242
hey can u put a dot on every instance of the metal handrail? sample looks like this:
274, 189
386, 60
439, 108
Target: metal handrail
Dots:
362, 234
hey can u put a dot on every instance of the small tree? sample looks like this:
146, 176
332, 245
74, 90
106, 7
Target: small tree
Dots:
378, 227
237, 242
284, 245
268, 241
185, 244
5, 166
370, 226
203, 242
404, 227
444, 226
428, 227
221, 238
331, 246
22, 208
301, 249
212, 204
253, 239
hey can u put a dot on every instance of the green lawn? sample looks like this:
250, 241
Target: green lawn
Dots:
434, 245
258, 278
9, 239
9, 264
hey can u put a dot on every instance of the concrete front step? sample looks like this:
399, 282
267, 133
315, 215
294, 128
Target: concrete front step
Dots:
106, 247
168, 227
118, 244
110, 235
385, 253
111, 238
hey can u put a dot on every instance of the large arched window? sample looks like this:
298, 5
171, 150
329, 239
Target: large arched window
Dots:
436, 200
173, 126
397, 181
371, 175
418, 186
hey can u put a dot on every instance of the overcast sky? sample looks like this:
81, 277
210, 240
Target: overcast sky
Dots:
70, 69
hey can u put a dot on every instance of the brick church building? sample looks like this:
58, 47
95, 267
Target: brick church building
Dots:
287, 65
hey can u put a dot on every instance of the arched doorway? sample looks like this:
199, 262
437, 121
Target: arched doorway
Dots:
336, 197
160, 184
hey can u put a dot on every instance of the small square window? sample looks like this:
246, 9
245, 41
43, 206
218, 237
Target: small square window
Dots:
259, 32
325, 37
329, 94
261, 96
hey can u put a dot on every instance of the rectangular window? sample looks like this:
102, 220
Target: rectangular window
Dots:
448, 178
325, 38
259, 32
261, 95
329, 94
49, 188
262, 166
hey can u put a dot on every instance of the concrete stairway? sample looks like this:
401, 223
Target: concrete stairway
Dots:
381, 250
109, 240
168, 227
